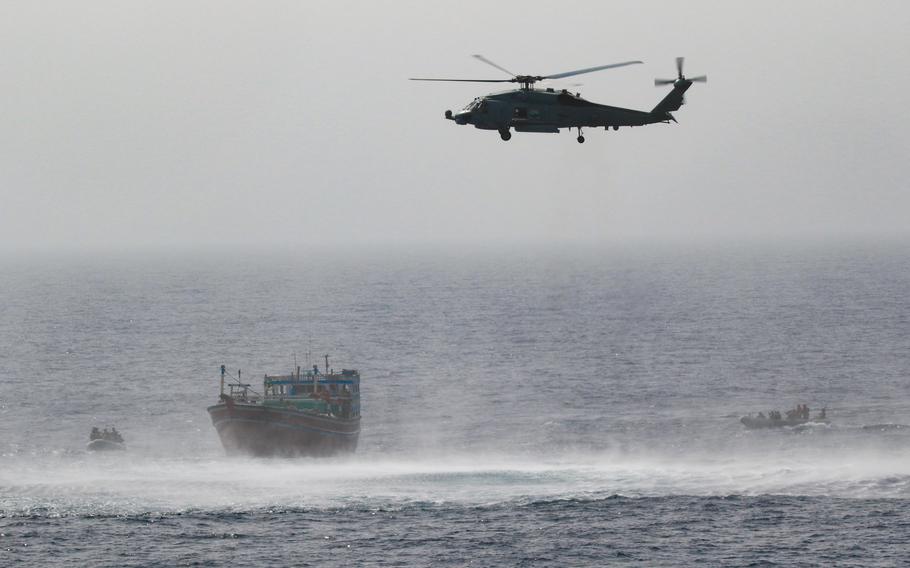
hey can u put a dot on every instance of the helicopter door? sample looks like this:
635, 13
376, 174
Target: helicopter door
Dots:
491, 115
526, 113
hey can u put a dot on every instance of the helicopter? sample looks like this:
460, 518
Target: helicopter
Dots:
527, 109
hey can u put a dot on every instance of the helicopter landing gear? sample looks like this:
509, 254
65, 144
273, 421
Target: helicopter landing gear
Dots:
505, 134
581, 139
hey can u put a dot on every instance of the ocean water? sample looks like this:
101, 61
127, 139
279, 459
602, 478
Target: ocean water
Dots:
522, 407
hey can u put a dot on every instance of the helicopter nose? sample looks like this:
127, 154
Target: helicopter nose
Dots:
460, 118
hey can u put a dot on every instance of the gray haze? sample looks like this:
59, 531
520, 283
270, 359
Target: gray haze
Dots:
253, 123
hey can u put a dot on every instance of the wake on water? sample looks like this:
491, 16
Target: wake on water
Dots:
508, 402
90, 484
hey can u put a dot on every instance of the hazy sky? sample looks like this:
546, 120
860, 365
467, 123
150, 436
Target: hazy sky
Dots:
178, 123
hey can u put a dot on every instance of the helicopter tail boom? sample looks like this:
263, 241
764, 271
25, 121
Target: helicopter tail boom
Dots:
673, 100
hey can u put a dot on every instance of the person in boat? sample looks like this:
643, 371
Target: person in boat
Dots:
95, 433
761, 415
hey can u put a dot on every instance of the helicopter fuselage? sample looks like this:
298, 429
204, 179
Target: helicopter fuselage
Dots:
548, 110
532, 110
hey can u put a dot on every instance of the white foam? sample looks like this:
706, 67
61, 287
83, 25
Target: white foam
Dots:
121, 484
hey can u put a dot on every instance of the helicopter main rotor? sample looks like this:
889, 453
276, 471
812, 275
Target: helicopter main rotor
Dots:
527, 81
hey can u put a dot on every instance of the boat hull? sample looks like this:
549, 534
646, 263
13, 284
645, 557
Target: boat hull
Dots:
256, 430
100, 445
755, 423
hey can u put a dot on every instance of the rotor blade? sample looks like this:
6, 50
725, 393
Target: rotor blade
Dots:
589, 70
679, 65
466, 80
488, 62
699, 79
661, 82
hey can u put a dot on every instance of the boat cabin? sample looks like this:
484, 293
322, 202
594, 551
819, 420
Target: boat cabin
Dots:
336, 394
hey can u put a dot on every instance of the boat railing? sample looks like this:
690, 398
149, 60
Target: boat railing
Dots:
321, 394
310, 378
242, 393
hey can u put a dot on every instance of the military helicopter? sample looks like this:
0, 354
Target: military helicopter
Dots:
527, 109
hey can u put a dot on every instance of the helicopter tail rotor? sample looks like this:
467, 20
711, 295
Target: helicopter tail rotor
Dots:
680, 76
675, 98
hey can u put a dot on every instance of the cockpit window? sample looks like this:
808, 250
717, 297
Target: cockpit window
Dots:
473, 105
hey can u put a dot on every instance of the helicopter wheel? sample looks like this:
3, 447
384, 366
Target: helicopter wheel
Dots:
505, 134
581, 139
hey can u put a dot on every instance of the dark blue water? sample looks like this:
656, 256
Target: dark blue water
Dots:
521, 407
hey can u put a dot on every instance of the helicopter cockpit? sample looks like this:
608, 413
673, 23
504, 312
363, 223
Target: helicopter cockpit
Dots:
473, 105
477, 105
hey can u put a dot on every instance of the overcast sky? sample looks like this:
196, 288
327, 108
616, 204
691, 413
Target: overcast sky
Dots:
213, 122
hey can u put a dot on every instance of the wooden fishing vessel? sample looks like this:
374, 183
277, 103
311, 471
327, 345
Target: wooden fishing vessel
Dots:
308, 413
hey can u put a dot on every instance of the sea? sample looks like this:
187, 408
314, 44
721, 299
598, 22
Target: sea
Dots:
522, 405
